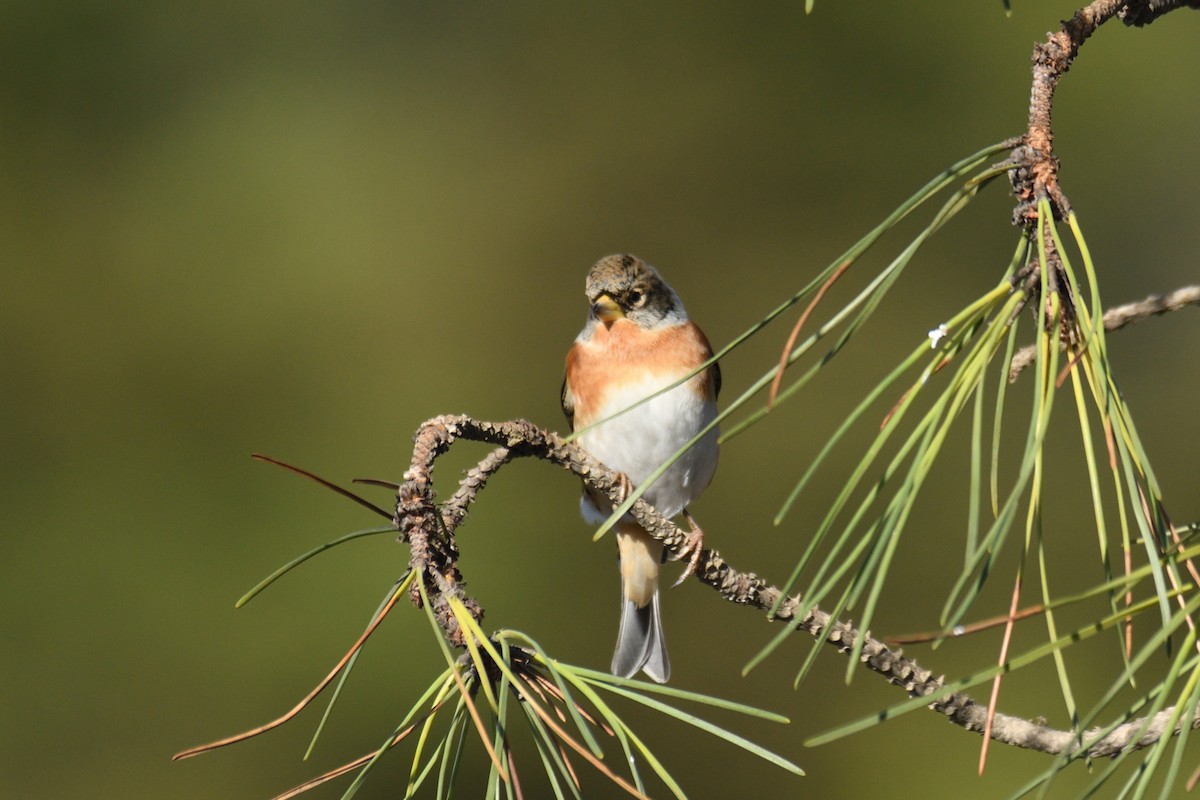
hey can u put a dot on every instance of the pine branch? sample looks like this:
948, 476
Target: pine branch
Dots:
430, 531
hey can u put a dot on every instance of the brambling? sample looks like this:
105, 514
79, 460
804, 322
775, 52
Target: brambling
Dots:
638, 340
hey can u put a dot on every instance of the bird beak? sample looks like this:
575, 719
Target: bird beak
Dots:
607, 309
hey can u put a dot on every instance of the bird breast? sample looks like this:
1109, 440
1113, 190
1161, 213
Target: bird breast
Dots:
638, 441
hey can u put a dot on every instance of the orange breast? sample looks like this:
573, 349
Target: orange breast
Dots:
625, 352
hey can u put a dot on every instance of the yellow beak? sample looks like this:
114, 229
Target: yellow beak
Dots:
607, 309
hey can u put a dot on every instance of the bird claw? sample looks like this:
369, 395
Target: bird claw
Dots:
692, 550
624, 487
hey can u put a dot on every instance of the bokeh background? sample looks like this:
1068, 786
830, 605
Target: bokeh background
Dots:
302, 229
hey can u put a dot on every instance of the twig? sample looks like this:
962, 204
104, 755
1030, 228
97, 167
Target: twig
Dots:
1139, 14
1118, 317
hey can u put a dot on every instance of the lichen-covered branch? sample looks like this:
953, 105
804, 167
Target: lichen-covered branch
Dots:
430, 531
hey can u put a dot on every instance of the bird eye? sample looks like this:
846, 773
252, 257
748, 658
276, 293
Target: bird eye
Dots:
634, 298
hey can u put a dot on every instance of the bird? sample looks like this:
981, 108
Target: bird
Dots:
637, 341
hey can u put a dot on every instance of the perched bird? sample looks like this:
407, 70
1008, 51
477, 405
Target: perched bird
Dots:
638, 340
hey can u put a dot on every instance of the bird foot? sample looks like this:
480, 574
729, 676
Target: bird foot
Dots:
692, 550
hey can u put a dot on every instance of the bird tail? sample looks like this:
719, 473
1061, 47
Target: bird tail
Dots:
640, 642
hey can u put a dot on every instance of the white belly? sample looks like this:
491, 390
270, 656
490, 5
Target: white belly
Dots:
639, 441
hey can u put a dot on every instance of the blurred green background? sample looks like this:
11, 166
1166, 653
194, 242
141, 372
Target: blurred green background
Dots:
302, 229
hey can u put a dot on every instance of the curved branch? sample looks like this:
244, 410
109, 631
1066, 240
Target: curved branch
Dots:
1036, 171
1033, 165
430, 532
